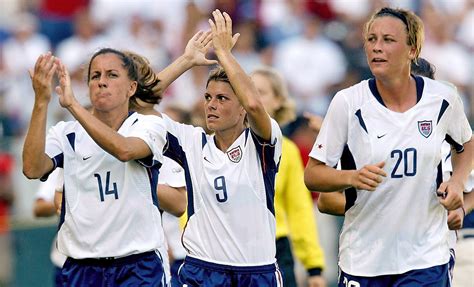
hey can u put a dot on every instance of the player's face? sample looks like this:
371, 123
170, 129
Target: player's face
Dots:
222, 108
264, 87
109, 85
388, 53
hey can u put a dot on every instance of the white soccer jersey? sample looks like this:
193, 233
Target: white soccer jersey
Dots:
110, 208
401, 226
230, 194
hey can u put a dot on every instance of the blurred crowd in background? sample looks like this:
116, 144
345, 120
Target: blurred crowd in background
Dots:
316, 45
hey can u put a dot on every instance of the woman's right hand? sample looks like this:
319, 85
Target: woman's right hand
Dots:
368, 177
197, 48
42, 77
64, 90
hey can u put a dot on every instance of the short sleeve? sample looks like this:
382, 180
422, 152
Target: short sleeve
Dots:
332, 137
171, 173
459, 130
151, 129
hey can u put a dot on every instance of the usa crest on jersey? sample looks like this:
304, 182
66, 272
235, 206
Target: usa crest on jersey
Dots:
235, 154
425, 128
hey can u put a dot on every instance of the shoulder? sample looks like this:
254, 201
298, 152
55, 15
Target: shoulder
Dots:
440, 89
353, 96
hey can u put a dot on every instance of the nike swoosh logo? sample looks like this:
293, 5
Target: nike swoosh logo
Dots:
86, 157
207, 160
379, 137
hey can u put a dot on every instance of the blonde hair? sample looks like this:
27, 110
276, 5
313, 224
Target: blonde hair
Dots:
413, 24
286, 113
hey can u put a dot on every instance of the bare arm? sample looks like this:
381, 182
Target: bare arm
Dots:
43, 208
36, 162
451, 191
243, 86
320, 177
333, 203
172, 199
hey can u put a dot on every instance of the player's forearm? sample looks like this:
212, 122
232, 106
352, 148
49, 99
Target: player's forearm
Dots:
35, 162
172, 200
246, 93
173, 71
462, 163
122, 148
322, 178
333, 203
469, 202
44, 208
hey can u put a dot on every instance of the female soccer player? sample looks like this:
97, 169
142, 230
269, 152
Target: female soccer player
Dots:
230, 232
393, 126
110, 224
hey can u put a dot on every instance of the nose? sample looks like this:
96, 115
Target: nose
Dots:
211, 104
102, 82
377, 47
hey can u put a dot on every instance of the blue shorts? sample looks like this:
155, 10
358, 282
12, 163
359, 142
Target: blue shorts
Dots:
199, 273
436, 276
452, 260
145, 269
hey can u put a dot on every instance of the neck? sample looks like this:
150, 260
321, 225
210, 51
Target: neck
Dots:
398, 94
112, 119
224, 139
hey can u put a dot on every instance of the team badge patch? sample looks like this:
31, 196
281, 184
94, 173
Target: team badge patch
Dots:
425, 128
235, 154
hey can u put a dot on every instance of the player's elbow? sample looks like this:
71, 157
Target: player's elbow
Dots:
30, 172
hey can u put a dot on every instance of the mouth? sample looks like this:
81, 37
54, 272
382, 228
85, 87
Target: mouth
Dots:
212, 117
378, 60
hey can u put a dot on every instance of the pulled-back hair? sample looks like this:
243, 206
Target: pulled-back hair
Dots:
423, 68
286, 113
147, 88
413, 26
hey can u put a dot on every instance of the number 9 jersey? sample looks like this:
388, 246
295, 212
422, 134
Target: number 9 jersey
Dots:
400, 226
231, 215
110, 207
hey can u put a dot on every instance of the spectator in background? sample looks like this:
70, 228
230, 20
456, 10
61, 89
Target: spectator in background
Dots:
6, 201
311, 64
19, 54
75, 50
56, 18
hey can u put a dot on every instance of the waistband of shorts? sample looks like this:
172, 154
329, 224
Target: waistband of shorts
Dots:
230, 268
113, 261
465, 233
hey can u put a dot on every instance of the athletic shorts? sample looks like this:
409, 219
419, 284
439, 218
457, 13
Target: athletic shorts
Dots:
199, 273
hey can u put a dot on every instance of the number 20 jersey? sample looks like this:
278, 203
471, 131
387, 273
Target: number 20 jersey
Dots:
110, 207
230, 209
400, 226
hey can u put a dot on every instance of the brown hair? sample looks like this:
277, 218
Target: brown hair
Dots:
147, 88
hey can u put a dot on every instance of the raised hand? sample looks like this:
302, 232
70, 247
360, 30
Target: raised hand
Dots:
64, 90
369, 177
197, 48
42, 77
221, 28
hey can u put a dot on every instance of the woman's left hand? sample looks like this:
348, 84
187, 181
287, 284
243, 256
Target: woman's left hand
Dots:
221, 28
